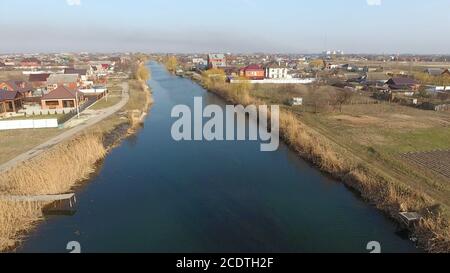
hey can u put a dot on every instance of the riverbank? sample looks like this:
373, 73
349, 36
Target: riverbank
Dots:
65, 166
374, 185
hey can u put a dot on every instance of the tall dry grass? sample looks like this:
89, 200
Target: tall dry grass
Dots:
15, 220
433, 231
56, 171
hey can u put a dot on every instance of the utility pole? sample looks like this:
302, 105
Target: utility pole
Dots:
78, 105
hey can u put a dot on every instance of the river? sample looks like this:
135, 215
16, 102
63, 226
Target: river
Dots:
153, 194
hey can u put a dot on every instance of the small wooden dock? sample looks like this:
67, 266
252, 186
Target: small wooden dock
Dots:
59, 204
410, 218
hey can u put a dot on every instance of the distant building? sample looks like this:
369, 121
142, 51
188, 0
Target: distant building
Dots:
67, 80
402, 83
434, 71
199, 61
446, 73
275, 71
252, 72
38, 80
217, 61
30, 62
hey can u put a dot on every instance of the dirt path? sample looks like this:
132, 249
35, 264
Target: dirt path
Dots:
102, 114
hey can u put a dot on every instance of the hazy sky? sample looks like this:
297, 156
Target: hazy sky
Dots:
296, 26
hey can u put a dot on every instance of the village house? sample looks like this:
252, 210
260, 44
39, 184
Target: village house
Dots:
24, 88
82, 73
275, 71
445, 73
402, 83
61, 97
38, 80
10, 102
216, 61
375, 78
434, 71
252, 72
70, 81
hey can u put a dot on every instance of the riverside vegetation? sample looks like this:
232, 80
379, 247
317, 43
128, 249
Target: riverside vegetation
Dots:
68, 164
376, 184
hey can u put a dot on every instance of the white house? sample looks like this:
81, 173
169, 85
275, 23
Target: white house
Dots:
276, 71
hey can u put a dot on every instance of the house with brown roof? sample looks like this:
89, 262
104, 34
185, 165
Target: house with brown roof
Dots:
10, 102
62, 97
402, 83
23, 87
38, 80
446, 73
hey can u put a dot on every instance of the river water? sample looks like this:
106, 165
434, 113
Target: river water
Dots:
153, 194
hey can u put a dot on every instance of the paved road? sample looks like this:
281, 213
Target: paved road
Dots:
103, 114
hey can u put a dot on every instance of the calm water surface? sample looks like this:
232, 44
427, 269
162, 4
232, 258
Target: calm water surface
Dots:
153, 194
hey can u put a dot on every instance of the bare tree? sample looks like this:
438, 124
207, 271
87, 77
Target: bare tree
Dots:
342, 97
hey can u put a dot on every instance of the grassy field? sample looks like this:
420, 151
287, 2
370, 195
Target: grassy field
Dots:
16, 142
12, 75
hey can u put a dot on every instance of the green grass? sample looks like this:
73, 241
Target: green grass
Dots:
418, 140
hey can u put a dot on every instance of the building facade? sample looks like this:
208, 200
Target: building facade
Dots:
252, 72
276, 71
217, 61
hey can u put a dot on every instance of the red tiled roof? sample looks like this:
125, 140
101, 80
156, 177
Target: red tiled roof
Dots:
252, 67
61, 92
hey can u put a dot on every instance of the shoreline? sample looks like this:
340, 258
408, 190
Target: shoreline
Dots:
84, 150
432, 232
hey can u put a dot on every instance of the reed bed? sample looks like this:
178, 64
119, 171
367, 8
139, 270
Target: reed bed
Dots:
16, 219
57, 170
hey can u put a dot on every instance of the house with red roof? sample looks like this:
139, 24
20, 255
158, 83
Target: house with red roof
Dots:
252, 72
62, 97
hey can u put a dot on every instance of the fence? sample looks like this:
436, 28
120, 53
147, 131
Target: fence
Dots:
73, 112
28, 124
